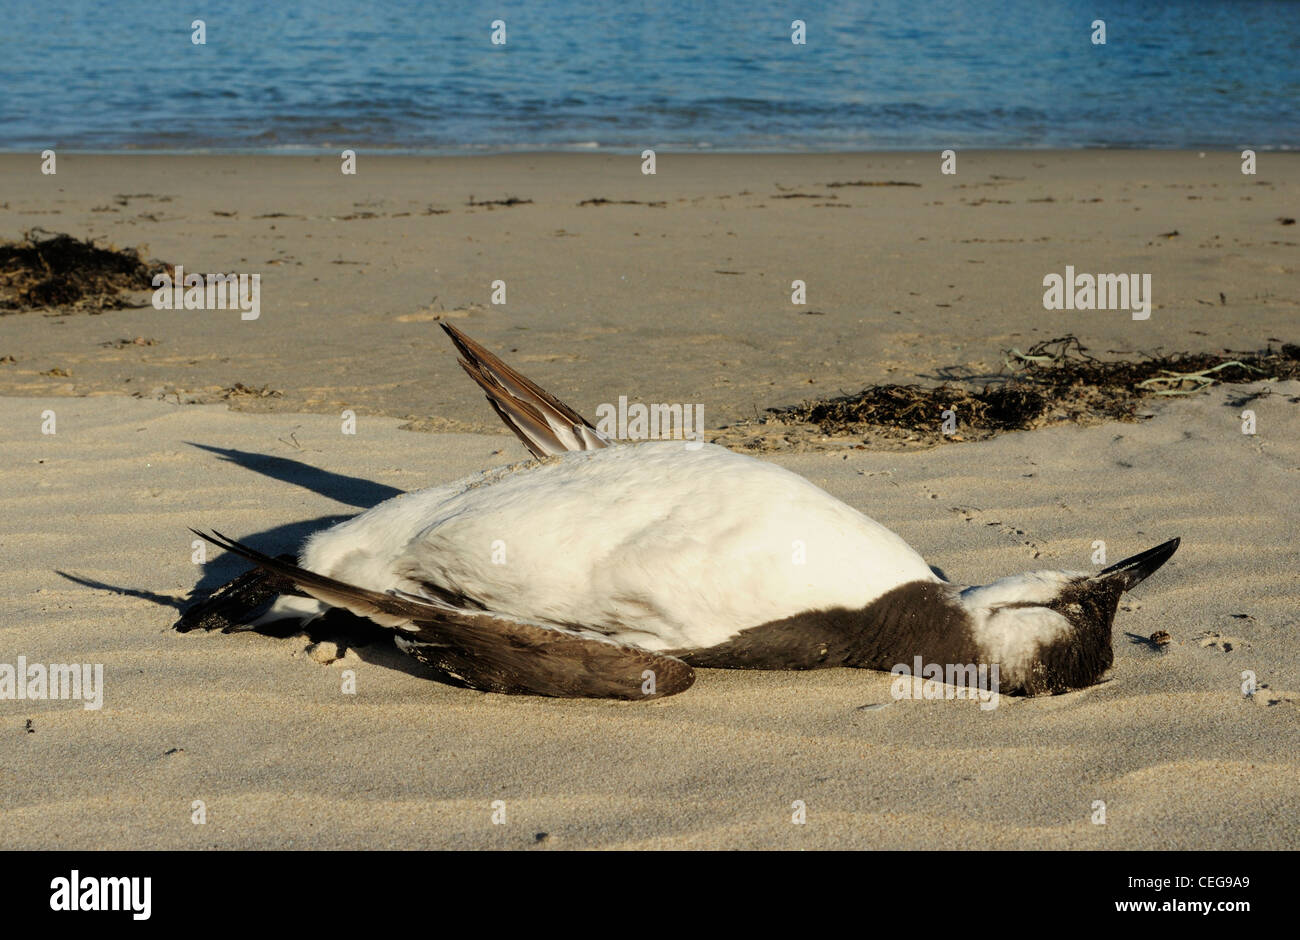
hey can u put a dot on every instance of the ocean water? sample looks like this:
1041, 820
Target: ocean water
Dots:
674, 75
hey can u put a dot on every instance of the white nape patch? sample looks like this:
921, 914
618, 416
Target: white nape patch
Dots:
1032, 587
1013, 635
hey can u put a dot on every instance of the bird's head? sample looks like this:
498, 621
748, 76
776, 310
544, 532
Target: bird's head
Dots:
1050, 631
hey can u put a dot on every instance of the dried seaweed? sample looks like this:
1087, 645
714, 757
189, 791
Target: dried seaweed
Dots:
1055, 381
47, 270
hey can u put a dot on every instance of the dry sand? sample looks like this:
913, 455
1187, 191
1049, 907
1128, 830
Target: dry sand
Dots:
261, 732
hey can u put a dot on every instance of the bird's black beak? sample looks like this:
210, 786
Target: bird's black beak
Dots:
1132, 571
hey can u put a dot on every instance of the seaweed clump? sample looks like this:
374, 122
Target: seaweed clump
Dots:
1055, 381
46, 270
915, 407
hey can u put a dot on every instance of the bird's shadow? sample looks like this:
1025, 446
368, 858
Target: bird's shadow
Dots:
351, 491
272, 541
372, 643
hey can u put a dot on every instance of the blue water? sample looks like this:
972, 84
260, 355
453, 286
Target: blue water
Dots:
676, 75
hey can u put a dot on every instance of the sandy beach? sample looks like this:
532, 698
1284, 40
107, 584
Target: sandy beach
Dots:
676, 290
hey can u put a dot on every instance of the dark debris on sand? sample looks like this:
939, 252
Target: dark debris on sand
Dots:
47, 270
508, 202
1054, 382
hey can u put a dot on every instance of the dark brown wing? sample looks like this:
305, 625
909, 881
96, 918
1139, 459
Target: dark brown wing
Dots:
488, 651
502, 654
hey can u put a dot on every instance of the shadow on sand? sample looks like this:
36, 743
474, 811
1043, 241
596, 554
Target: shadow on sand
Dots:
372, 643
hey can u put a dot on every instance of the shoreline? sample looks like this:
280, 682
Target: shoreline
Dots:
575, 149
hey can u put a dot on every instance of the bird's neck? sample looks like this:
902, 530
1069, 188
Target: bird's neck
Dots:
922, 619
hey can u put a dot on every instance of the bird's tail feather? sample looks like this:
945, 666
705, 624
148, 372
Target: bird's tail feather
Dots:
545, 424
384, 609
236, 603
